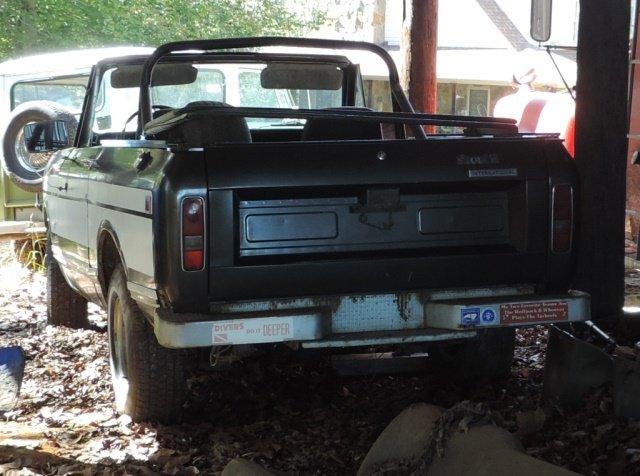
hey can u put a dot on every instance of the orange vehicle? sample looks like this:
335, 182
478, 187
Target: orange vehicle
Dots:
538, 111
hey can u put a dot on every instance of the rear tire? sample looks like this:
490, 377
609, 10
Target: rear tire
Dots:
149, 380
65, 307
485, 359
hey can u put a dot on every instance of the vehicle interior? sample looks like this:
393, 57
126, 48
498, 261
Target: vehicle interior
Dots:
190, 94
199, 99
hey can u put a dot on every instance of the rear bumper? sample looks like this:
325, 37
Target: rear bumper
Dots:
368, 319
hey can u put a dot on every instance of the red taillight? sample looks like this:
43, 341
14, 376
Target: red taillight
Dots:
562, 218
193, 234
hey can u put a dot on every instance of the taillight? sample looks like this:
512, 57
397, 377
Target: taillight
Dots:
561, 218
192, 234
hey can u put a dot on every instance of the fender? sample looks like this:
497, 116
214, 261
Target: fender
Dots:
144, 296
106, 230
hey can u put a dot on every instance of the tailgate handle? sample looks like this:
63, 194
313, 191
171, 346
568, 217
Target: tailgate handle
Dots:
379, 200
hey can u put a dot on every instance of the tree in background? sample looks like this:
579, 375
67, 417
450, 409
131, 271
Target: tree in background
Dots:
35, 26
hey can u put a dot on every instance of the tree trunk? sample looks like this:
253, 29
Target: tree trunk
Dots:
424, 46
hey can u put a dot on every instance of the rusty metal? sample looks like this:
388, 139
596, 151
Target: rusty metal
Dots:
573, 367
356, 319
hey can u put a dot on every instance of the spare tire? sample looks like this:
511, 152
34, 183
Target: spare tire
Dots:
26, 168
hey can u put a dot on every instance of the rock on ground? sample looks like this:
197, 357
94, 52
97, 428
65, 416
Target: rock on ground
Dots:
407, 442
243, 467
403, 442
489, 450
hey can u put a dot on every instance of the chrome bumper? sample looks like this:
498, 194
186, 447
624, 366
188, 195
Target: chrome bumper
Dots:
370, 319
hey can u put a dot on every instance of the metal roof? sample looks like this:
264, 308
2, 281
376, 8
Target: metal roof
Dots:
66, 60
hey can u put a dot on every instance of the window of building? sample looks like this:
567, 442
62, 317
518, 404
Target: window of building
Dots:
478, 101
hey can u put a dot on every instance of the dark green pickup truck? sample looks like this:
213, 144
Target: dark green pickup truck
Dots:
279, 208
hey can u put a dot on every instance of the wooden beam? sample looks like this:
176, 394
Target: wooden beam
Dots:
20, 230
423, 51
601, 127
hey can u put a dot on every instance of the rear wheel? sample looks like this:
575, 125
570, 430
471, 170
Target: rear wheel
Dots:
65, 307
149, 380
487, 358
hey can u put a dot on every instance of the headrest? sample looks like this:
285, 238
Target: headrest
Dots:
197, 124
318, 129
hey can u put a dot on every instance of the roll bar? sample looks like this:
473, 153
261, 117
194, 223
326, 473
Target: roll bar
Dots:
256, 42
473, 124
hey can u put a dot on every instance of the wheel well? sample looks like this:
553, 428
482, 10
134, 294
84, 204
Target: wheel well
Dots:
108, 259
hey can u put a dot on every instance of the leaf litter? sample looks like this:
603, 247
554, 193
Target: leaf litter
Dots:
292, 415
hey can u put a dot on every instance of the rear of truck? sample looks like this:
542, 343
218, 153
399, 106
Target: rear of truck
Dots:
359, 243
348, 228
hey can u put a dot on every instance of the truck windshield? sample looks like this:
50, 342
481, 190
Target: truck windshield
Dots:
234, 84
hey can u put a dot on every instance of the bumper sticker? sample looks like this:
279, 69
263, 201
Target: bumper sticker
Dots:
470, 316
247, 331
488, 316
532, 312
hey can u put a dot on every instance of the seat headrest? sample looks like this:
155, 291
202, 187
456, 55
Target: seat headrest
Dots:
198, 125
341, 129
204, 104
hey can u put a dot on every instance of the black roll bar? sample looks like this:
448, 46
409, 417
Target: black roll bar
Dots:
256, 42
472, 123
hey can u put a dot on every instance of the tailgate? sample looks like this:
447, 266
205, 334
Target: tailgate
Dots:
323, 218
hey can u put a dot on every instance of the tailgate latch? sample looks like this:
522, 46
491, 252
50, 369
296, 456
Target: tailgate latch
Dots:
377, 201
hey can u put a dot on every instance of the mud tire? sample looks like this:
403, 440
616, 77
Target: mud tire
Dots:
65, 307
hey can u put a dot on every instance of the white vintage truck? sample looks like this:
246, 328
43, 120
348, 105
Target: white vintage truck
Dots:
59, 78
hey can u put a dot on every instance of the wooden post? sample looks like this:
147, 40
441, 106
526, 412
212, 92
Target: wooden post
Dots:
379, 13
423, 50
601, 128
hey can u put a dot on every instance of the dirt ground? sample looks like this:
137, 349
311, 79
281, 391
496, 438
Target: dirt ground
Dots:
289, 414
